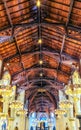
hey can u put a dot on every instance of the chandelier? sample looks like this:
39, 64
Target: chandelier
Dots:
65, 104
7, 91
60, 112
16, 105
11, 119
3, 115
76, 78
21, 112
73, 90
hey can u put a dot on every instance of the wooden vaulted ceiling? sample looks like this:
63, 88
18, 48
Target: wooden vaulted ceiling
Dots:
58, 24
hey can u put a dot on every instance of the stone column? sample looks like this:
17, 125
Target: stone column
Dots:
77, 105
15, 106
27, 123
22, 122
10, 123
79, 118
72, 124
13, 92
12, 114
70, 110
60, 123
61, 95
6, 94
71, 119
5, 104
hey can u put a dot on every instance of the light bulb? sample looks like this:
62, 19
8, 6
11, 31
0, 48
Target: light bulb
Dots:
38, 3
41, 74
40, 41
40, 62
8, 64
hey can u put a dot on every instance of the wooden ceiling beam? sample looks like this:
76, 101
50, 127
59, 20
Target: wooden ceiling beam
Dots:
55, 84
45, 23
29, 72
70, 10
46, 69
49, 52
33, 97
48, 48
51, 24
29, 25
73, 27
38, 100
39, 105
55, 1
47, 80
42, 104
51, 98
55, 87
6, 8
56, 38
60, 56
10, 20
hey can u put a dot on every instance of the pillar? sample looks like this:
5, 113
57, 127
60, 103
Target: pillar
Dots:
61, 123
12, 112
21, 96
22, 122
72, 124
13, 92
77, 105
70, 110
10, 123
5, 104
79, 118
27, 123
62, 96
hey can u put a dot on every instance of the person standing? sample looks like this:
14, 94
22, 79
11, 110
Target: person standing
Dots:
4, 125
